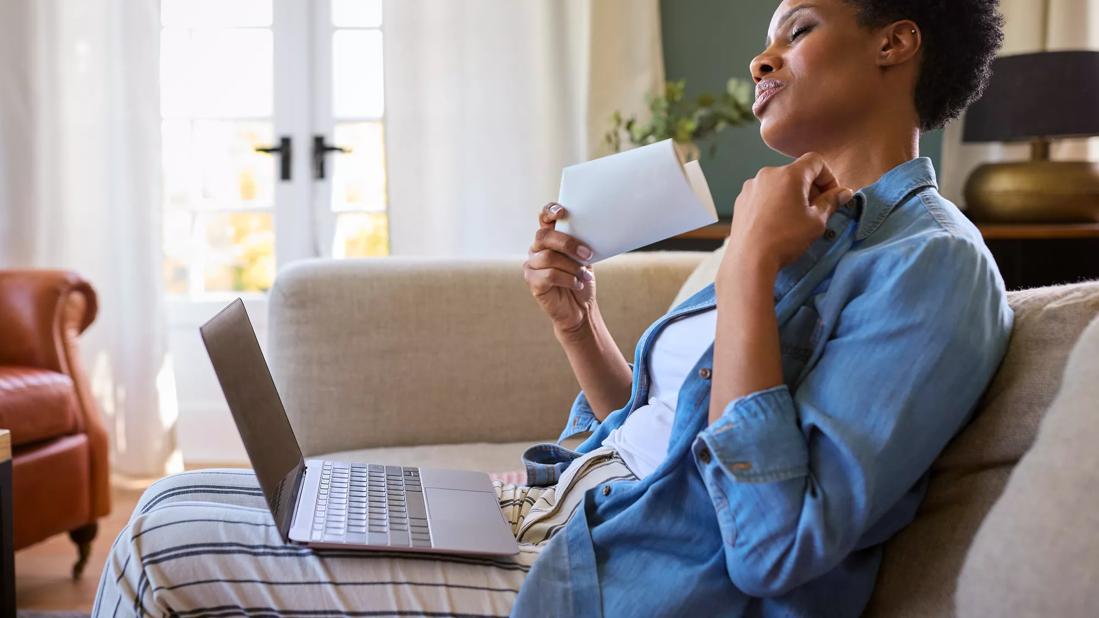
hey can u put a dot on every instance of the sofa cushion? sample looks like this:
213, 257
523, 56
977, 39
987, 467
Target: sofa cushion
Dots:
921, 564
1035, 553
503, 460
36, 404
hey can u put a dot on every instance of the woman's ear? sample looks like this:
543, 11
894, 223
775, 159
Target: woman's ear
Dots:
900, 42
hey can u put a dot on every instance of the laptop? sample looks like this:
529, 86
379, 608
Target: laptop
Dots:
322, 503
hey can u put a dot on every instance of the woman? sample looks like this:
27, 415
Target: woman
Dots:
773, 430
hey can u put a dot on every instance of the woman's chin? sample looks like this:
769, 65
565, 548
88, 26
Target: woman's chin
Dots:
785, 135
779, 137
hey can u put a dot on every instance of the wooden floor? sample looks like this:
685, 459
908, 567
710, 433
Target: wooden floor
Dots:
43, 580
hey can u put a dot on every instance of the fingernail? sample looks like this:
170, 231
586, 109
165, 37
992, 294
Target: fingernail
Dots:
846, 195
579, 285
585, 275
583, 252
556, 208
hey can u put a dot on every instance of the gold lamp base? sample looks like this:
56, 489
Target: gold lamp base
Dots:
1034, 192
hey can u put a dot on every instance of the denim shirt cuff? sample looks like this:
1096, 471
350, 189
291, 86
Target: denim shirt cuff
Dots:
756, 440
544, 463
581, 418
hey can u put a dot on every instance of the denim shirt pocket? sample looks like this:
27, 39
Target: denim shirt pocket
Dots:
798, 338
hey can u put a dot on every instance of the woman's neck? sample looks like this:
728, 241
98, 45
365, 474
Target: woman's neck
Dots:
862, 159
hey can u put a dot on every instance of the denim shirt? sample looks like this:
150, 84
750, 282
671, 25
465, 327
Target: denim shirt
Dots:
891, 326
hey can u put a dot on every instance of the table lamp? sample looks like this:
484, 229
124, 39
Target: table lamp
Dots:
1036, 97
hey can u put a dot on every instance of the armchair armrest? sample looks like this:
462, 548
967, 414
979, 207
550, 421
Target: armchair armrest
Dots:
401, 351
39, 311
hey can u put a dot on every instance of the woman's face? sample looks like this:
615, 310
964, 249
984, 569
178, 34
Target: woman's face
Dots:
816, 78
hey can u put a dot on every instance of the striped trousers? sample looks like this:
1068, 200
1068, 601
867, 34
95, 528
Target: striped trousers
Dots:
203, 543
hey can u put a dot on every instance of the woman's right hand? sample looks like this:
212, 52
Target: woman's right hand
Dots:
557, 278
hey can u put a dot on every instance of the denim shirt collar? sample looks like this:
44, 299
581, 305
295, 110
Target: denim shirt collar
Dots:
877, 200
868, 208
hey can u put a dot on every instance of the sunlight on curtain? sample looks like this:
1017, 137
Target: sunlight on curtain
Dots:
486, 101
81, 127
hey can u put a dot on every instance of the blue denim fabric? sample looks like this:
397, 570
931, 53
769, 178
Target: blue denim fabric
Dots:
890, 331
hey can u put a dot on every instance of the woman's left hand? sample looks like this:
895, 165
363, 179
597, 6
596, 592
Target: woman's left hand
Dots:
780, 212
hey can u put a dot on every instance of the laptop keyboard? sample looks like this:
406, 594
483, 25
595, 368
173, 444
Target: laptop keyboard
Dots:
370, 504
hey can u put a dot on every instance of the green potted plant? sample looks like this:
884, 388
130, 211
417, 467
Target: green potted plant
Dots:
685, 121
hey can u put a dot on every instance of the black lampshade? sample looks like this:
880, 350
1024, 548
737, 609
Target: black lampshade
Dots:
1047, 94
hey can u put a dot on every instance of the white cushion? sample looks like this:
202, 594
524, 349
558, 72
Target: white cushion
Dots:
702, 275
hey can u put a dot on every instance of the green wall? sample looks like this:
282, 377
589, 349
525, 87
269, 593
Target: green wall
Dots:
708, 41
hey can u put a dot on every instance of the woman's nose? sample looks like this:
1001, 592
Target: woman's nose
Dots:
764, 64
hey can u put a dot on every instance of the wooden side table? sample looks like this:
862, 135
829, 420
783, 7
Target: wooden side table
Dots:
7, 551
1032, 255
706, 238
1028, 255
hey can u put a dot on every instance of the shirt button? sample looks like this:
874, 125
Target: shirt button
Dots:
704, 373
704, 455
829, 234
606, 490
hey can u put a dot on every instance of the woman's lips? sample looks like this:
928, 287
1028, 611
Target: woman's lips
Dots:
763, 98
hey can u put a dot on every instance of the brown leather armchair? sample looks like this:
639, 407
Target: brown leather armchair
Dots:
59, 442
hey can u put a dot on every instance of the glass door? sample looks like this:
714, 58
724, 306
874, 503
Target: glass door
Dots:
273, 139
350, 191
217, 105
274, 151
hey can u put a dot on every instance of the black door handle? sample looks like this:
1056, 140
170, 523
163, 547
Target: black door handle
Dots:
285, 153
319, 150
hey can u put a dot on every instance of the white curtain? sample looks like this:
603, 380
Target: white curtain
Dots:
80, 189
486, 101
1031, 26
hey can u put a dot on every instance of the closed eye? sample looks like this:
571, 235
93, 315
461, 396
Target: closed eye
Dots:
799, 31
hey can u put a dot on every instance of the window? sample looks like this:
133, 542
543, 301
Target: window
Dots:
237, 75
248, 74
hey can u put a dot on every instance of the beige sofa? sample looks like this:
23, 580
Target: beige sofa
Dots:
451, 363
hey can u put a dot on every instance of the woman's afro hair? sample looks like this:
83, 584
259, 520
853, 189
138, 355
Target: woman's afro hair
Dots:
960, 40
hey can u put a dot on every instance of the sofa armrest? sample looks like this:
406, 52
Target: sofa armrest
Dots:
401, 351
1035, 547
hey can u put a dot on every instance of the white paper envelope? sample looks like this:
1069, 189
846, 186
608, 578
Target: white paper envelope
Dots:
632, 199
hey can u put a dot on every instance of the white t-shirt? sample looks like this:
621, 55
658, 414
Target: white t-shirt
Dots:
642, 440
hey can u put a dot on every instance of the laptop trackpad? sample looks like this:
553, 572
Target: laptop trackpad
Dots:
467, 520
456, 479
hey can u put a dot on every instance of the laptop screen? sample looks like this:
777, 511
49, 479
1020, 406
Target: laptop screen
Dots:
250, 391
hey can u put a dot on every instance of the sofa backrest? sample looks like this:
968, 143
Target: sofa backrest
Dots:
1037, 551
921, 564
403, 351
